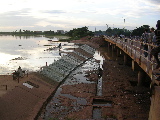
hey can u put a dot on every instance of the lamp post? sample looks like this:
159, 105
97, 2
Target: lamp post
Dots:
124, 23
107, 26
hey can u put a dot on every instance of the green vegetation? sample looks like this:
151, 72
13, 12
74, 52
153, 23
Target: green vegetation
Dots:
140, 30
78, 33
117, 32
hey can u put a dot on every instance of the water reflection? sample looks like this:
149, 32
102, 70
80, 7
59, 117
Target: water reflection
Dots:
31, 48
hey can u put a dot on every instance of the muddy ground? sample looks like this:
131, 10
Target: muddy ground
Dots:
18, 102
126, 100
121, 99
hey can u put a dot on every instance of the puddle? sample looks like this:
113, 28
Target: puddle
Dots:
102, 102
99, 87
97, 107
63, 104
96, 113
56, 108
79, 75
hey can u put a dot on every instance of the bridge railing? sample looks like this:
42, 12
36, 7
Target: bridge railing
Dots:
135, 49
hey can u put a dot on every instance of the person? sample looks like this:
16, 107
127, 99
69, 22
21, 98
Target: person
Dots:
152, 36
20, 72
15, 75
155, 51
145, 37
59, 46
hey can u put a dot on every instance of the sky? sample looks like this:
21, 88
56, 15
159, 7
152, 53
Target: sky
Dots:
45, 15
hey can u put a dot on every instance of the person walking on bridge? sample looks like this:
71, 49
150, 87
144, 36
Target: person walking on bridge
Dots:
155, 51
152, 36
145, 39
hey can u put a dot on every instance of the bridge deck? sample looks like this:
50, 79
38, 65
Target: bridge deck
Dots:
135, 50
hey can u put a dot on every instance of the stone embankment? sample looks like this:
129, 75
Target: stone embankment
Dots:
61, 68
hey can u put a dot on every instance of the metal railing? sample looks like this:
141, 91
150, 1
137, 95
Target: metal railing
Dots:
135, 49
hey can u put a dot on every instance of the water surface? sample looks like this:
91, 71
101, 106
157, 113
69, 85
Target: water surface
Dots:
28, 52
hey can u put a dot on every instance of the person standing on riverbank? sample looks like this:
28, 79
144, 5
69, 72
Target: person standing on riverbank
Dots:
20, 72
59, 46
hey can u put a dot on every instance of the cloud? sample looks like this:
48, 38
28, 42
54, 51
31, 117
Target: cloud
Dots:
54, 11
157, 2
17, 18
75, 13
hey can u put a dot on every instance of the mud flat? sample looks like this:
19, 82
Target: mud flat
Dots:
23, 100
129, 101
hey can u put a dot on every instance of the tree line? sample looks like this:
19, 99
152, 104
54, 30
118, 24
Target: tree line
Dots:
77, 33
81, 32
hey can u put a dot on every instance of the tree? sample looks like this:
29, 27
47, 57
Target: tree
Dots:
139, 31
80, 32
117, 32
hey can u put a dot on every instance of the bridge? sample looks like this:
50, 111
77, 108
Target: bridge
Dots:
134, 49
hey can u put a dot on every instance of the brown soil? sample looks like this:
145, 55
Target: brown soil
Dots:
80, 90
128, 101
20, 102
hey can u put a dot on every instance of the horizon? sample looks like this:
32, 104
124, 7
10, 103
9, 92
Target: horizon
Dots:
57, 15
69, 30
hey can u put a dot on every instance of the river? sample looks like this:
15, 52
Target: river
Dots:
29, 52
